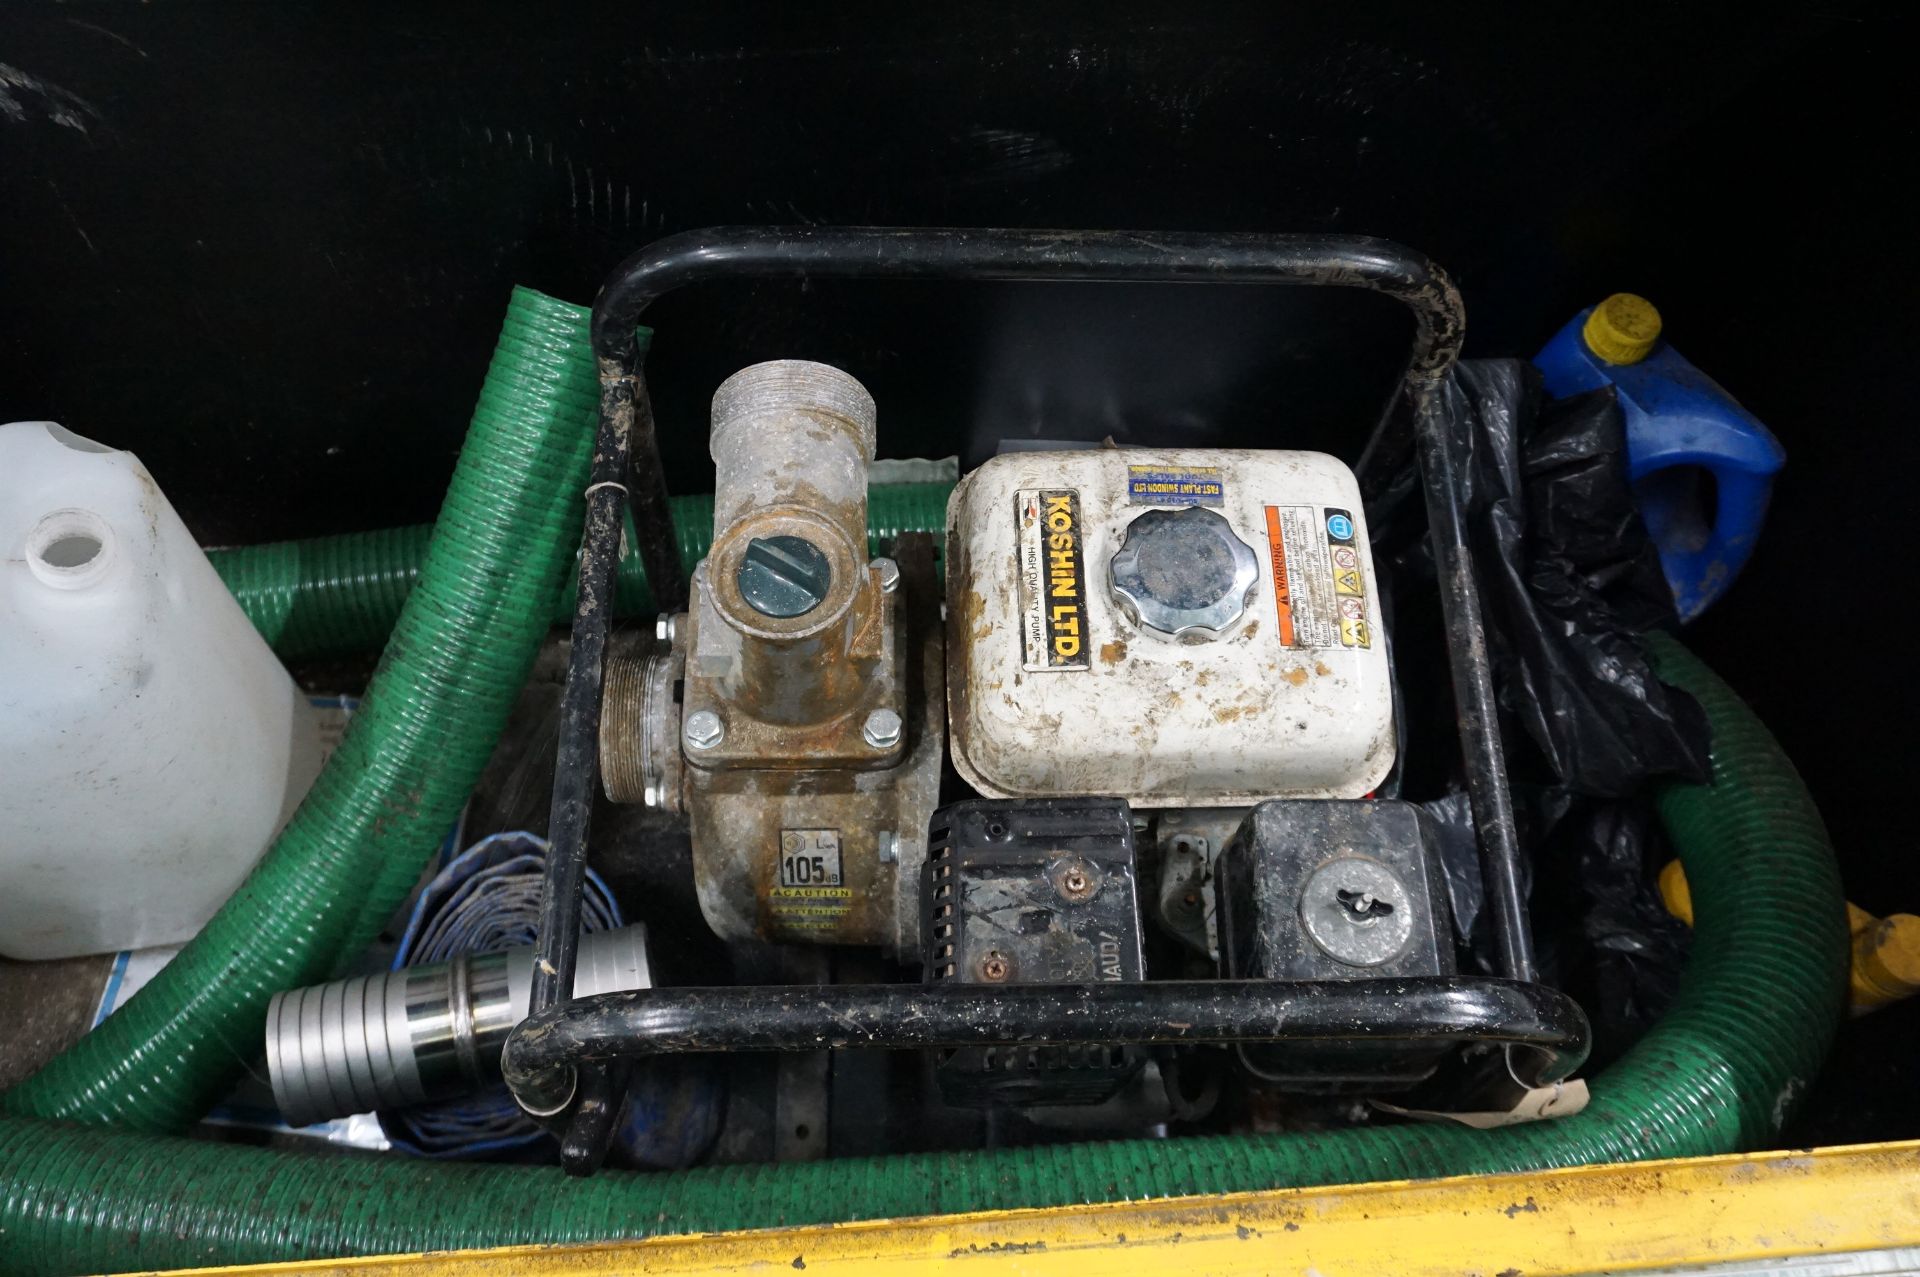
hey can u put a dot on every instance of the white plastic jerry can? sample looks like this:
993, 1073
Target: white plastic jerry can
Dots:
151, 745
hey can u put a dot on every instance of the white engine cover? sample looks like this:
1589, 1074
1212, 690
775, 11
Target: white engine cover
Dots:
1057, 686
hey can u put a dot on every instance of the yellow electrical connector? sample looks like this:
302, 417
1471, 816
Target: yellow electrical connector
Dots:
1886, 951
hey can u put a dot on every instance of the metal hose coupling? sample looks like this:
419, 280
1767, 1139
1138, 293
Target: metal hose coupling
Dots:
420, 1033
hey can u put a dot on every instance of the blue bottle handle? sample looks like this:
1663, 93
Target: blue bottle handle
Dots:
1702, 550
1700, 576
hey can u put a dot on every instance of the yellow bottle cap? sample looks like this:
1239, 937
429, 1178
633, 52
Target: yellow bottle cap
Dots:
1622, 329
1886, 961
1674, 892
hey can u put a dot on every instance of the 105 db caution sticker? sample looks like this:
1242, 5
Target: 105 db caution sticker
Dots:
1053, 579
812, 894
1319, 583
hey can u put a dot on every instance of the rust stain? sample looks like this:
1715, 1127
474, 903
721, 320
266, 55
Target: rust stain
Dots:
1297, 676
969, 616
1320, 668
1113, 651
1227, 713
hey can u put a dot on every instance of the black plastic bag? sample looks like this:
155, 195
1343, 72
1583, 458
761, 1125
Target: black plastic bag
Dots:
1623, 963
1569, 583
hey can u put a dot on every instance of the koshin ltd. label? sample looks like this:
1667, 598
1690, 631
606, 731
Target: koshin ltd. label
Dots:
1053, 579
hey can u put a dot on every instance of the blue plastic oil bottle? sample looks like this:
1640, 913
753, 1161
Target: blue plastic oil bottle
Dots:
1702, 466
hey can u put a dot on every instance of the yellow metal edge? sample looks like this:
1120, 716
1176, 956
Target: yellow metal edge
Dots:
1618, 1218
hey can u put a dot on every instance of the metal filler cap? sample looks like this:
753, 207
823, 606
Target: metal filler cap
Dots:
1183, 573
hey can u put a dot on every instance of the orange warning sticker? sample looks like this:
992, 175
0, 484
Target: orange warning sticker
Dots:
1319, 579
1282, 597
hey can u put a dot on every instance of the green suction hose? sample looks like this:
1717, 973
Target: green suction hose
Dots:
459, 655
339, 595
1763, 992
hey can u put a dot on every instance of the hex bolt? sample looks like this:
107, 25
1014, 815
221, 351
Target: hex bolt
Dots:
666, 627
783, 576
882, 729
888, 848
889, 574
994, 967
703, 729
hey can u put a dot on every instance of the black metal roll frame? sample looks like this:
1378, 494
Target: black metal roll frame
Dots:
556, 1060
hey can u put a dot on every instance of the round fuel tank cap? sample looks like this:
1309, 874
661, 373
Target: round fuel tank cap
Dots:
1183, 573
